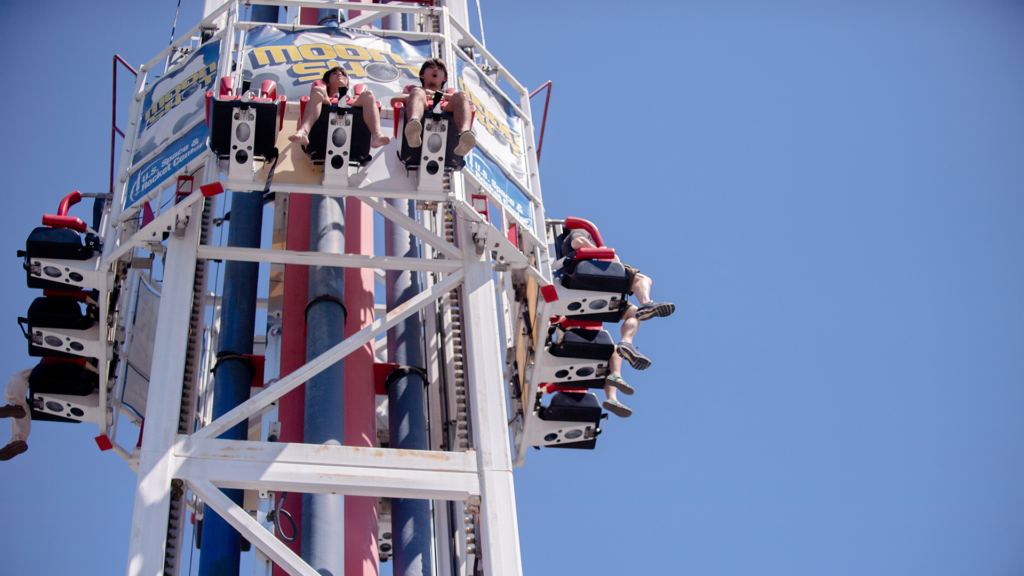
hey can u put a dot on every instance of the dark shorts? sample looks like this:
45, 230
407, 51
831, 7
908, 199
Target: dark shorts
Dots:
631, 274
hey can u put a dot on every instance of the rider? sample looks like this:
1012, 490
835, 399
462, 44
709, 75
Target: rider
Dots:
640, 286
433, 75
335, 79
17, 410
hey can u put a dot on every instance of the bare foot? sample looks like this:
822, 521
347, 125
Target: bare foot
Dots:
380, 140
299, 138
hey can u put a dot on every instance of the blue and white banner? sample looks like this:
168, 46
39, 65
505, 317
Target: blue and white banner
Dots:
165, 165
177, 100
499, 159
173, 117
295, 59
500, 186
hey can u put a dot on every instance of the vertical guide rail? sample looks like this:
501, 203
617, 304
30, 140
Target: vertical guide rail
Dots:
113, 115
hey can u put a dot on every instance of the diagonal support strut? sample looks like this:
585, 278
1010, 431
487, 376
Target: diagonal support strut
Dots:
292, 381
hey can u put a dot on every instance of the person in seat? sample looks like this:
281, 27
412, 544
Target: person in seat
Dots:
335, 79
17, 410
433, 76
640, 286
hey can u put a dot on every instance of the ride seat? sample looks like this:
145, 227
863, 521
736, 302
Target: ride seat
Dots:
268, 109
359, 149
412, 157
573, 407
57, 326
61, 237
68, 378
583, 343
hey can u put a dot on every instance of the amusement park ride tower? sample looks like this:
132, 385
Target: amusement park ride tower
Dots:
393, 427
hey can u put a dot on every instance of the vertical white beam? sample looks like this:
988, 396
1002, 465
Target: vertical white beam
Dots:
152, 494
499, 528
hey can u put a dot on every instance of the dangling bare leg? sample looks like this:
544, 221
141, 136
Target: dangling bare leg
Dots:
459, 106
415, 106
317, 97
371, 116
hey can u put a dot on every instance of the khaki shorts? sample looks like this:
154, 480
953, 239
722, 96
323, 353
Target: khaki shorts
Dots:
631, 274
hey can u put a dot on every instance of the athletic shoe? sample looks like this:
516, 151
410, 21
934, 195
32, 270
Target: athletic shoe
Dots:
653, 310
12, 411
633, 356
413, 133
467, 140
617, 408
617, 381
13, 449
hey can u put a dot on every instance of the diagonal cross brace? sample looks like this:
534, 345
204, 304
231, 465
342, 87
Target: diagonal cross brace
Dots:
292, 381
251, 529
420, 231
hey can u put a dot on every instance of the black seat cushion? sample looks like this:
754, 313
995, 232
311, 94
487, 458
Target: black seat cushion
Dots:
67, 379
264, 139
59, 244
572, 407
596, 276
585, 344
359, 151
411, 157
58, 312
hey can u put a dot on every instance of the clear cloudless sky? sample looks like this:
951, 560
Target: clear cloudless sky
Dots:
831, 193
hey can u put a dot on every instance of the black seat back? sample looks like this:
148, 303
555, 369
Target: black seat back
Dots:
584, 344
59, 312
264, 140
359, 151
59, 378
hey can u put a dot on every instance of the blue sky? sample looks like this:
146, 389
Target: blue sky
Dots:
832, 194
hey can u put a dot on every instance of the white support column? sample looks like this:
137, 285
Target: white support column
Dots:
499, 528
152, 494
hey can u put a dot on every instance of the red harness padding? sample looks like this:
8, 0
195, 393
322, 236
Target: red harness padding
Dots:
357, 90
566, 324
61, 218
573, 223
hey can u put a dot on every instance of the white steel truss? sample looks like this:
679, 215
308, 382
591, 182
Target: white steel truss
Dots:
474, 469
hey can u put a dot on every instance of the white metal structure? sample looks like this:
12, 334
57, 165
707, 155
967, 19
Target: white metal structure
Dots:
479, 305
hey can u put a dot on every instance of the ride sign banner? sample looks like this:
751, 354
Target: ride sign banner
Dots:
499, 160
167, 164
177, 100
295, 59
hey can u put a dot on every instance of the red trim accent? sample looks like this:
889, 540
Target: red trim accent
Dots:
269, 89
147, 214
64, 222
358, 89
549, 292
227, 86
258, 362
282, 103
80, 295
549, 388
142, 429
397, 107
544, 122
211, 189
487, 208
104, 443
380, 375
566, 324
209, 98
573, 223
191, 185
76, 361
302, 108
513, 235
588, 253
67, 202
